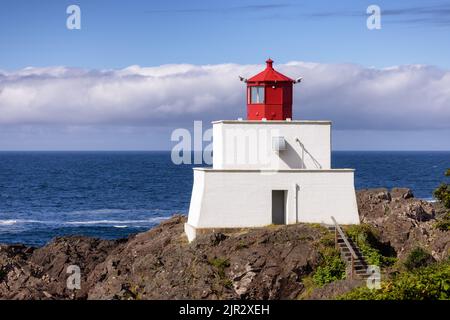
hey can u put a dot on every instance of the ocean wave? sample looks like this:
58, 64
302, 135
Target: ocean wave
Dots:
9, 222
115, 223
113, 211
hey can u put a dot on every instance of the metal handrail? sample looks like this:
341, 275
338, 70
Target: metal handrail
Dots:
344, 237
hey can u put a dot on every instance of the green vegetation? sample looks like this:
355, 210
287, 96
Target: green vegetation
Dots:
418, 258
241, 245
309, 286
221, 264
443, 223
442, 193
425, 283
366, 238
327, 240
331, 269
318, 226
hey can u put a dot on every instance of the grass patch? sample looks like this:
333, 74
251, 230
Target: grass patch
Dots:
220, 264
417, 258
309, 286
367, 239
332, 267
444, 223
424, 283
328, 240
241, 245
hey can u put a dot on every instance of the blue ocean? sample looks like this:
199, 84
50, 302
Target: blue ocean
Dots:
114, 194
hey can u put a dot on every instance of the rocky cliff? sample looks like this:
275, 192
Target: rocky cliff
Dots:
266, 263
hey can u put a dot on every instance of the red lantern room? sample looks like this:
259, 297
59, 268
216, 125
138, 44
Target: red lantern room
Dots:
269, 95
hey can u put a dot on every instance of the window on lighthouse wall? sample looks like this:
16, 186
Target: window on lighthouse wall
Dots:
257, 94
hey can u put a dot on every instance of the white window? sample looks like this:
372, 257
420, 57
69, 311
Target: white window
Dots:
257, 94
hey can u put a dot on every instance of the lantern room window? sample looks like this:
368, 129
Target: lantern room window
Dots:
257, 94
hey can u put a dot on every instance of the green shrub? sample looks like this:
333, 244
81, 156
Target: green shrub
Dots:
331, 269
442, 193
443, 224
426, 283
366, 238
221, 264
328, 240
241, 245
417, 258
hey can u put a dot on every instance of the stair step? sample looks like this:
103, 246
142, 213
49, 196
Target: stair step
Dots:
347, 249
359, 263
348, 255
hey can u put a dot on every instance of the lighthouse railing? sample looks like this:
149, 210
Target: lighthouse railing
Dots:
353, 255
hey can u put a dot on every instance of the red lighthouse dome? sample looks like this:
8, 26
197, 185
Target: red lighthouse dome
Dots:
269, 95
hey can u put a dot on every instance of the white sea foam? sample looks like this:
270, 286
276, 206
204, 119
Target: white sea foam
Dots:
113, 211
116, 222
7, 222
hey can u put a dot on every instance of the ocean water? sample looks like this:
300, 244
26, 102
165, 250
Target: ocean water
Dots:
114, 194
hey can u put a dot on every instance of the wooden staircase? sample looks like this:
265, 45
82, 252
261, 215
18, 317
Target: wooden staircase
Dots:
350, 253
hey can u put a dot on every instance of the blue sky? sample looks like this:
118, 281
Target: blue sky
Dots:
118, 34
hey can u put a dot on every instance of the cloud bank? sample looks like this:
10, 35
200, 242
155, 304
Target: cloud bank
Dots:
410, 97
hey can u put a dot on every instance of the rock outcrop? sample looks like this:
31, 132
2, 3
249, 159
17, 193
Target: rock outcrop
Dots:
266, 263
403, 222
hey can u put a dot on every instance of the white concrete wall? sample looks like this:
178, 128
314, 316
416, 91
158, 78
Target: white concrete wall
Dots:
242, 198
248, 145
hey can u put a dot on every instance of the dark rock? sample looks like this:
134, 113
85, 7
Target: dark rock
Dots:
242, 266
217, 238
266, 263
401, 193
58, 255
403, 222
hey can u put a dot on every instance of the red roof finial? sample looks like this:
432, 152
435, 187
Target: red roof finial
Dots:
269, 74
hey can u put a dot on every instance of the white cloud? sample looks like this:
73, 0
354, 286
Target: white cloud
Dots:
354, 97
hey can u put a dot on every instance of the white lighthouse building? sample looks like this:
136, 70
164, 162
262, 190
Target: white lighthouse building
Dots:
270, 169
